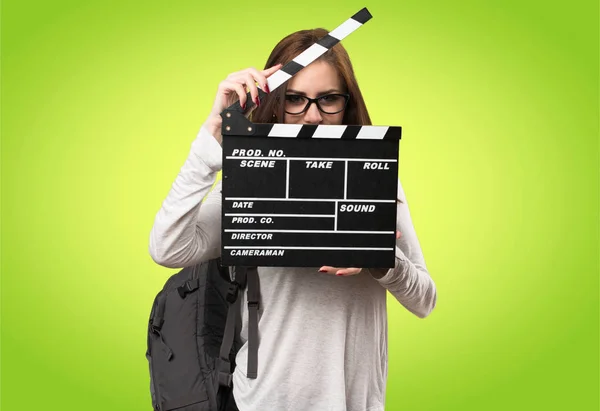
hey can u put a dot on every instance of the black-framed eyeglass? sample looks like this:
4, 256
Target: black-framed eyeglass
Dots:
328, 104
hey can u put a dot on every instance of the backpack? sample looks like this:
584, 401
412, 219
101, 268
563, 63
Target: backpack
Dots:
193, 337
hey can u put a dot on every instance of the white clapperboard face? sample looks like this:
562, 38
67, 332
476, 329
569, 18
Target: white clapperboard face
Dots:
306, 195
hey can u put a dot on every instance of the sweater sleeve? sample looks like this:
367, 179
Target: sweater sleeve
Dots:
409, 281
187, 230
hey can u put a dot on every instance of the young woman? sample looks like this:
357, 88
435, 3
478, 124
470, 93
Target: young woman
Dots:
323, 330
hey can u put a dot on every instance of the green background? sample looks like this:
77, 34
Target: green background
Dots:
499, 159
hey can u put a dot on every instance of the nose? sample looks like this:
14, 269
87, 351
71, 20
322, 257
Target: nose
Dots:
313, 115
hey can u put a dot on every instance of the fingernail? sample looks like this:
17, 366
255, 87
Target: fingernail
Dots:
267, 88
257, 101
244, 106
322, 271
339, 274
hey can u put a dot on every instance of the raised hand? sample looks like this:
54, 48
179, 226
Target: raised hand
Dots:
234, 88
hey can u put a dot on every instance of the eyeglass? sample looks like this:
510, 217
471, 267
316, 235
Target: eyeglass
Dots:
328, 104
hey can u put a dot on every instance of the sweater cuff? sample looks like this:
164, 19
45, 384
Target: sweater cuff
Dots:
390, 275
206, 148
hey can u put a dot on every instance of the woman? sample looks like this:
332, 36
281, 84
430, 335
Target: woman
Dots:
323, 331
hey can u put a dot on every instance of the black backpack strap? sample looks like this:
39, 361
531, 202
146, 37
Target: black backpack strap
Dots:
228, 336
253, 297
157, 323
244, 276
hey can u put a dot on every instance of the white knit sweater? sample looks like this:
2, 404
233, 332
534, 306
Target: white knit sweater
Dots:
322, 338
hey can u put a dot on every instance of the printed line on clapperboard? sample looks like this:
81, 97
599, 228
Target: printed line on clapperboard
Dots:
310, 248
258, 230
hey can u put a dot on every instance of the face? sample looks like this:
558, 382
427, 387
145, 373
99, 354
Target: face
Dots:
316, 80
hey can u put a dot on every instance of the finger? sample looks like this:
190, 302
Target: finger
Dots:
260, 79
225, 93
251, 85
271, 70
328, 269
247, 79
268, 72
348, 271
398, 234
241, 92
227, 86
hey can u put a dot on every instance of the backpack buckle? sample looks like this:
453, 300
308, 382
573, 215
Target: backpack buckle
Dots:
156, 325
225, 379
232, 293
187, 288
224, 376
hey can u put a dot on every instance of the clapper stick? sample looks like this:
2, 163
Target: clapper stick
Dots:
307, 195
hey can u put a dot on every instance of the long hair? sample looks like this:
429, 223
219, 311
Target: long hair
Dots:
271, 109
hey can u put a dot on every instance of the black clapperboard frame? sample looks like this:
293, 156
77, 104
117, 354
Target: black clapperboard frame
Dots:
297, 195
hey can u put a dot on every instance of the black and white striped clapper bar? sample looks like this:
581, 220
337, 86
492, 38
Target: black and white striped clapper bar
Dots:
299, 195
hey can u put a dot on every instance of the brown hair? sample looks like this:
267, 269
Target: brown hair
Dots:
271, 107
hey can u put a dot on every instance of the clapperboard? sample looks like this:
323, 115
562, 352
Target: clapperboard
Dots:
299, 195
